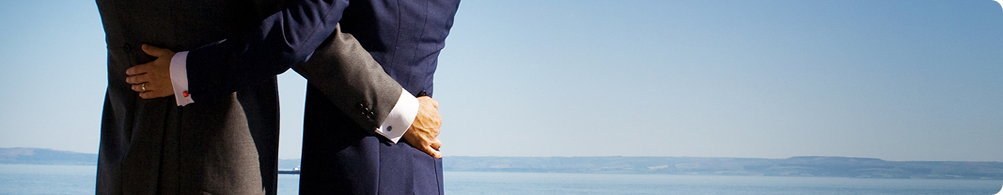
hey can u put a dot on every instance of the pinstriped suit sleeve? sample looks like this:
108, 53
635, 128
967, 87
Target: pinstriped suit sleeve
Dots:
351, 79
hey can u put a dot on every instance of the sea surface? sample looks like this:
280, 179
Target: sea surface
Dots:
73, 179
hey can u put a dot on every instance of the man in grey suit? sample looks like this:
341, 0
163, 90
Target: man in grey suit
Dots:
152, 146
214, 146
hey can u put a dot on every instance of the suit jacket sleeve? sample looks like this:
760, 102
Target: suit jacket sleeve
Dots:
351, 79
283, 39
339, 66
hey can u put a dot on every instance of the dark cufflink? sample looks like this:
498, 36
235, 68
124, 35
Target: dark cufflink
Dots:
422, 93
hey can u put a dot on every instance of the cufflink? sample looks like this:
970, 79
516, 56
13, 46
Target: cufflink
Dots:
185, 93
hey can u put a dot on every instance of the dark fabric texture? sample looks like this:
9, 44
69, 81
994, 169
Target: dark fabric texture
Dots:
355, 83
342, 157
226, 143
281, 40
155, 147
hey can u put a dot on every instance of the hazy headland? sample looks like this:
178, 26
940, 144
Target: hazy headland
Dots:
800, 166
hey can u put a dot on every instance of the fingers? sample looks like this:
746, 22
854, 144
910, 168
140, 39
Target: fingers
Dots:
139, 69
138, 88
432, 152
152, 79
437, 119
432, 148
156, 51
155, 94
423, 143
137, 79
436, 144
146, 95
434, 134
424, 146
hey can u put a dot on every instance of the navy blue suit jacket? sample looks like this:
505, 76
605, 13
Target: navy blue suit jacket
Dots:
405, 37
339, 156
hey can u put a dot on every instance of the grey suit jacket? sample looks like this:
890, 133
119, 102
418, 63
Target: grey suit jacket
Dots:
347, 74
155, 147
219, 146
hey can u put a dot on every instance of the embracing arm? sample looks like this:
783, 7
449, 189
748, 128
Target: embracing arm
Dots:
344, 72
283, 39
354, 82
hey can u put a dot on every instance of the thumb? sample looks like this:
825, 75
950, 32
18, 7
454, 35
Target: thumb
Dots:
156, 51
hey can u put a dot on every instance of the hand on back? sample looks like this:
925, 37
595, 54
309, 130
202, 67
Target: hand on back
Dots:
424, 131
152, 79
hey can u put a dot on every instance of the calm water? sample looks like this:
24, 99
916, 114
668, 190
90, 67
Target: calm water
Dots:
66, 179
47, 179
566, 183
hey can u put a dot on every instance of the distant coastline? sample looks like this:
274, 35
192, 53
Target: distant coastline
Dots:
801, 166
42, 156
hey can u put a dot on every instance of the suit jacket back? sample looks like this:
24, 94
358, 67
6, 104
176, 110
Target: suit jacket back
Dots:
339, 156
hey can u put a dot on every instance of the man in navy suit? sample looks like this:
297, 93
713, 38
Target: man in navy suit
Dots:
349, 146
405, 37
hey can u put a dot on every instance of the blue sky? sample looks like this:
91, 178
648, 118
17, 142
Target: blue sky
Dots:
897, 80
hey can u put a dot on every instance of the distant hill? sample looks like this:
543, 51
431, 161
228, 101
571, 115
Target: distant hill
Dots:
802, 166
45, 156
56, 157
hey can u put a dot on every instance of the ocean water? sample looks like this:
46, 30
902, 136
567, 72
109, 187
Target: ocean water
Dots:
571, 183
70, 179
47, 179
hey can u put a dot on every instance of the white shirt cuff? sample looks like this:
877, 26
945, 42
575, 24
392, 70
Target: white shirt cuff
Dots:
400, 117
179, 78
